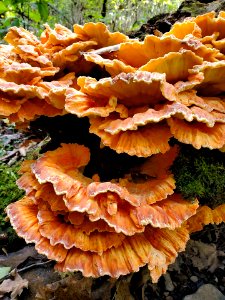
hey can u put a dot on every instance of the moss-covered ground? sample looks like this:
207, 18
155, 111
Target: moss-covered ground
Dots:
9, 192
200, 174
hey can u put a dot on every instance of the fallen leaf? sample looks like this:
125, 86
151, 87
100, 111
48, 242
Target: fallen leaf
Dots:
16, 258
14, 286
72, 287
204, 256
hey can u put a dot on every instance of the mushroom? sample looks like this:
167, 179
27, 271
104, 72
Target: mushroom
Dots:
204, 216
155, 247
144, 94
100, 222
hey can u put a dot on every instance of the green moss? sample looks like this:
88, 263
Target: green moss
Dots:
9, 192
200, 174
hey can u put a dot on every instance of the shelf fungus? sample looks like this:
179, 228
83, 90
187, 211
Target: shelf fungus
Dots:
137, 113
207, 28
66, 47
27, 47
99, 33
26, 94
24, 102
131, 94
97, 221
154, 47
57, 38
137, 97
204, 216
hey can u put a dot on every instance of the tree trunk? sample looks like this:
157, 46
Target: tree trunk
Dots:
104, 8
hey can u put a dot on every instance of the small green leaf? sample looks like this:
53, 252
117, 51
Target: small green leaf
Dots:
3, 8
43, 10
15, 22
7, 22
4, 271
34, 16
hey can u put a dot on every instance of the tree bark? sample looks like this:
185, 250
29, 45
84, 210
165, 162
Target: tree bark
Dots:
104, 8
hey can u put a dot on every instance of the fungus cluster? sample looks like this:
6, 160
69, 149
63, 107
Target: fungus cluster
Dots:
137, 96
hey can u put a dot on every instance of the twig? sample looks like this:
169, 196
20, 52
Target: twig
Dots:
24, 269
103, 50
34, 265
11, 153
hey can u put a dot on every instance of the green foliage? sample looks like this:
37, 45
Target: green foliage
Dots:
28, 14
10, 141
119, 15
125, 15
200, 174
43, 10
9, 192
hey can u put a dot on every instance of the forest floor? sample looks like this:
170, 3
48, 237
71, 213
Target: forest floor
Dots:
24, 272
